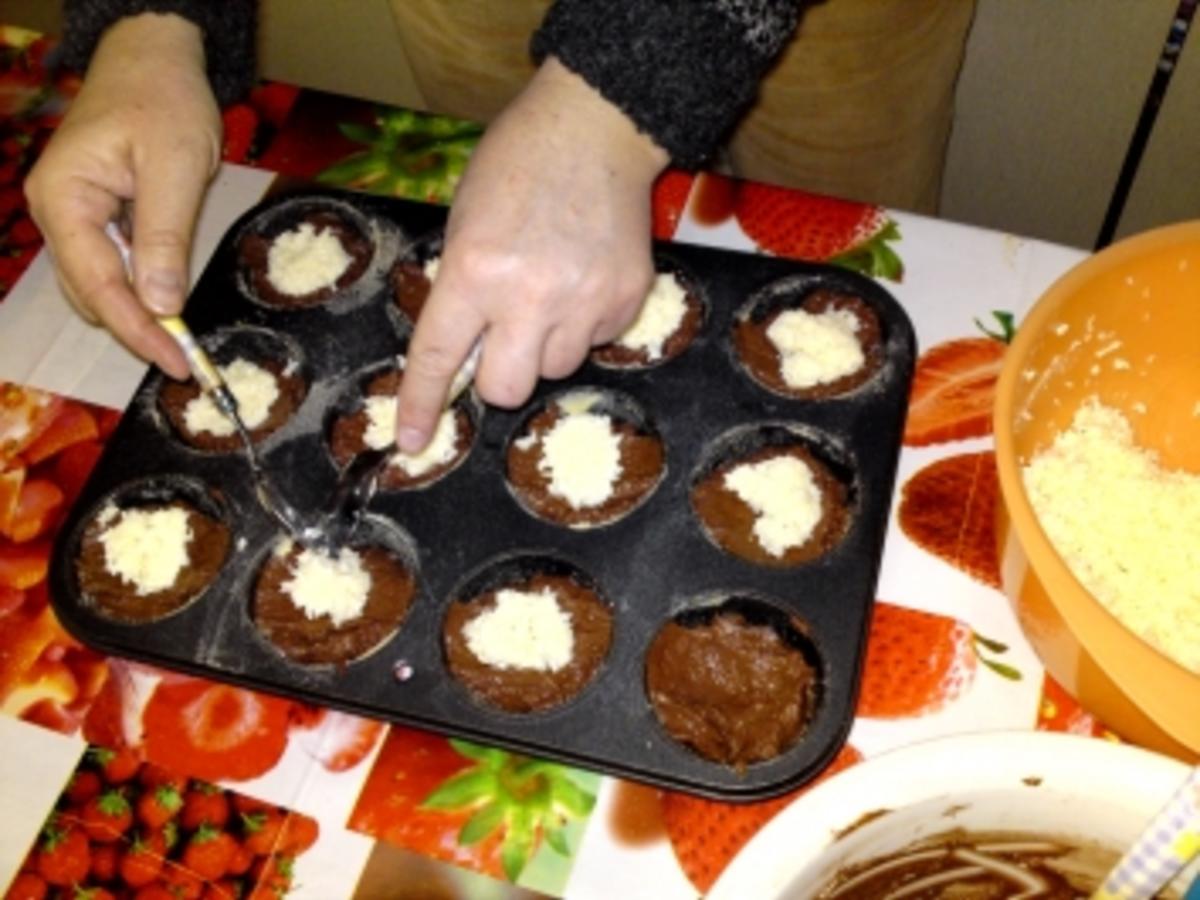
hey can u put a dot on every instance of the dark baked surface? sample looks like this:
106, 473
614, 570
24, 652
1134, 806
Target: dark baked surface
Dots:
733, 691
762, 360
254, 250
642, 460
175, 396
318, 640
526, 689
116, 598
729, 520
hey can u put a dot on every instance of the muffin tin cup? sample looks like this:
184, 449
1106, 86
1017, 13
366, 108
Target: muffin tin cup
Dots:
649, 565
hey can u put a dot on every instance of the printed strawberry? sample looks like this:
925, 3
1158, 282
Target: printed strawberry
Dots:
83, 786
261, 831
272, 875
24, 414
91, 893
157, 806
73, 423
151, 775
10, 495
117, 766
63, 855
1059, 711
214, 731
204, 804
105, 859
299, 832
208, 852
409, 154
73, 466
948, 508
241, 861
342, 741
106, 817
472, 806
919, 662
240, 123
142, 862
226, 889
155, 892
181, 881
27, 886
37, 510
22, 566
954, 387
714, 198
707, 834
805, 226
274, 101
667, 201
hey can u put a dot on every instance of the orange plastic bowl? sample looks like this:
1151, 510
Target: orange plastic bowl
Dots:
1145, 293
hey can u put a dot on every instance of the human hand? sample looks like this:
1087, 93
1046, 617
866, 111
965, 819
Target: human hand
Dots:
144, 130
546, 252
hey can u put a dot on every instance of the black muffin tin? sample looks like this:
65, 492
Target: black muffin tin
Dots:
651, 565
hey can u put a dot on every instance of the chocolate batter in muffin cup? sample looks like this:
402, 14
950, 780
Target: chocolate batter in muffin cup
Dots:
526, 633
800, 339
364, 419
412, 277
266, 373
337, 606
152, 548
586, 457
773, 494
736, 680
303, 254
670, 319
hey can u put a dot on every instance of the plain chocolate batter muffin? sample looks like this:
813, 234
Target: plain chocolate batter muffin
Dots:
254, 252
175, 396
733, 691
618, 355
114, 596
525, 688
347, 437
763, 361
729, 520
317, 639
642, 461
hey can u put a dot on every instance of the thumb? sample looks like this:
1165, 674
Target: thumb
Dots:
169, 189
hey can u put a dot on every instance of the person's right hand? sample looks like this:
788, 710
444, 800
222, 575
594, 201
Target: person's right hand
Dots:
144, 130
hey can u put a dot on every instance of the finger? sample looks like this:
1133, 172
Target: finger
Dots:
565, 350
512, 358
443, 337
94, 279
170, 186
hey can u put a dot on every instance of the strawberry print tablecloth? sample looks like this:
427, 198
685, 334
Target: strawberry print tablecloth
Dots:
121, 780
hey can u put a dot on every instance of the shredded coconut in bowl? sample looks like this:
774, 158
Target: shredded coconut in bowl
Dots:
1128, 528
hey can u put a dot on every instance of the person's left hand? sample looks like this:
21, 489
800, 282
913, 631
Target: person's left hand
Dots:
547, 249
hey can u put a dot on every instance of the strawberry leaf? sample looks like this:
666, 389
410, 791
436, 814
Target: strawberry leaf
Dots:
556, 839
466, 789
518, 844
988, 643
874, 258
1008, 328
1004, 671
570, 797
489, 756
485, 820
359, 133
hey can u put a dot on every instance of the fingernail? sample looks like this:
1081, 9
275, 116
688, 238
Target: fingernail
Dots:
410, 440
163, 293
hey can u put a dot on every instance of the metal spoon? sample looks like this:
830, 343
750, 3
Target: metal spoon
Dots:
213, 385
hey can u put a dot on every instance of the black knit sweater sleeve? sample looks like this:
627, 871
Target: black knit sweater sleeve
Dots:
682, 70
228, 27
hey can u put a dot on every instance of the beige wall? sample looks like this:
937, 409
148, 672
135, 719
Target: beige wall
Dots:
1046, 103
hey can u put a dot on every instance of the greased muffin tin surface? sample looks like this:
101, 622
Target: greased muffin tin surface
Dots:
651, 565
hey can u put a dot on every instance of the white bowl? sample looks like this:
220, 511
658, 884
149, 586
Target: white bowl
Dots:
1055, 785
